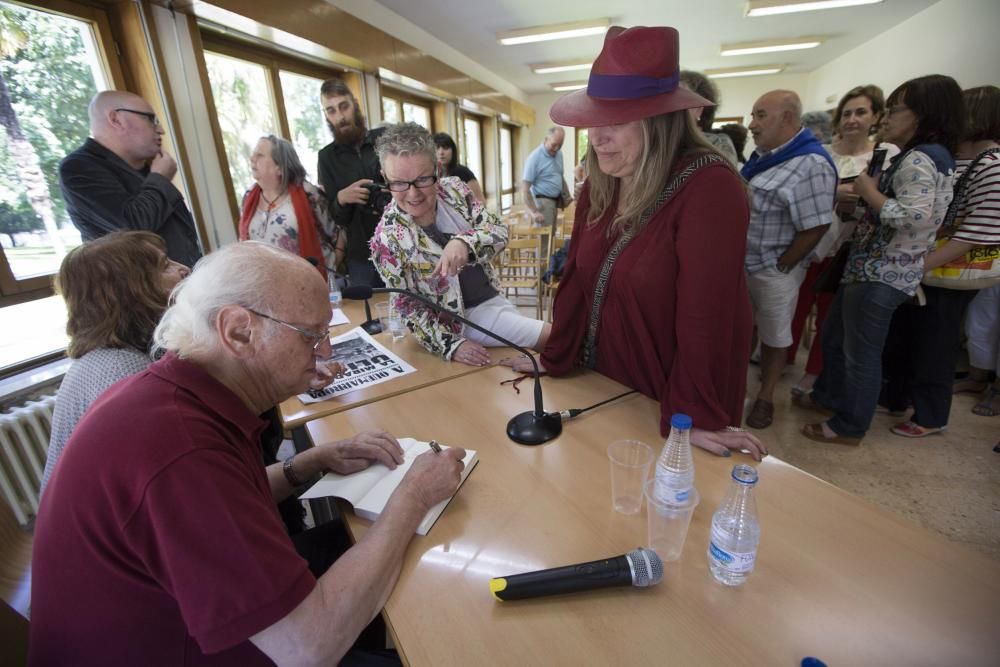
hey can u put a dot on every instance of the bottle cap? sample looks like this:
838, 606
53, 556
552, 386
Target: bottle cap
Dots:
681, 421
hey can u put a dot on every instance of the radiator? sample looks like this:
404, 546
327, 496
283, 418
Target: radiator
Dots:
24, 441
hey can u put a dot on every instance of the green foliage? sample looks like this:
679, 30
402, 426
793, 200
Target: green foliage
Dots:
19, 217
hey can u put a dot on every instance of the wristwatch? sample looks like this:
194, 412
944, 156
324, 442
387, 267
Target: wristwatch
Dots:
290, 475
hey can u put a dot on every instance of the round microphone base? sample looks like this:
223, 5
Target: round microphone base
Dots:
529, 429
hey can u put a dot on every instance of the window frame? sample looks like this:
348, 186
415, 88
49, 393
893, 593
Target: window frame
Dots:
15, 290
515, 182
402, 96
464, 115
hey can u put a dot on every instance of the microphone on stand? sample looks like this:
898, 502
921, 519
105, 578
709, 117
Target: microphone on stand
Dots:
639, 567
371, 326
528, 428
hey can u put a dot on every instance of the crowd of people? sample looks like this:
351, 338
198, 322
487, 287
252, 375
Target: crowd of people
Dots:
160, 538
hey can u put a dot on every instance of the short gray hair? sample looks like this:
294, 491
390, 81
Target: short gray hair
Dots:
241, 274
821, 125
284, 156
407, 139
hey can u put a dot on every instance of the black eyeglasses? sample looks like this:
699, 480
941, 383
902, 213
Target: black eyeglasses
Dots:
148, 114
403, 186
313, 337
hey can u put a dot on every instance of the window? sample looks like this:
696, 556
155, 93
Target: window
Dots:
581, 145
416, 113
473, 145
244, 105
306, 121
507, 188
390, 110
398, 107
52, 66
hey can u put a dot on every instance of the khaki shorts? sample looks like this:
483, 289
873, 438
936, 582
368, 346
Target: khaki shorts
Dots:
774, 295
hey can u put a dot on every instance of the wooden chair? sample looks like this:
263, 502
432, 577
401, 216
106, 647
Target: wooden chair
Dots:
522, 264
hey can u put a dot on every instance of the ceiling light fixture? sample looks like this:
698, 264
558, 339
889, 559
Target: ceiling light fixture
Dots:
569, 85
546, 33
771, 7
565, 66
748, 48
758, 70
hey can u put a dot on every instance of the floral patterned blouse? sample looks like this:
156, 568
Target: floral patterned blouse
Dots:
891, 249
279, 227
405, 256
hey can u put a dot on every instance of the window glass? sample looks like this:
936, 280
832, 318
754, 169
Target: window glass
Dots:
306, 121
390, 110
414, 113
245, 108
506, 168
581, 144
473, 146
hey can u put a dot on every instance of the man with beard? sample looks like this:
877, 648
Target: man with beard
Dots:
346, 166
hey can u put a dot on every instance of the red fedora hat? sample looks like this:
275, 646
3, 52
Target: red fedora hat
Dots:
635, 76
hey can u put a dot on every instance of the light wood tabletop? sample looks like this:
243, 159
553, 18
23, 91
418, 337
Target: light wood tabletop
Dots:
430, 370
836, 577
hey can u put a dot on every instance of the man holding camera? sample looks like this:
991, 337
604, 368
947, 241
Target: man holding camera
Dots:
349, 171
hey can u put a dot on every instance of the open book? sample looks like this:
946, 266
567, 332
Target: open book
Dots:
369, 490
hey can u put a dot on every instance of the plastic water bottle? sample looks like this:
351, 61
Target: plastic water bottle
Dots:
732, 547
335, 296
675, 467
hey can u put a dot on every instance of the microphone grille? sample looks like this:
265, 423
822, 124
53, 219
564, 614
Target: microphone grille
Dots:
647, 568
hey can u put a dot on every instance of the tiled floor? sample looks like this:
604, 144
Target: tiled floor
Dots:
948, 483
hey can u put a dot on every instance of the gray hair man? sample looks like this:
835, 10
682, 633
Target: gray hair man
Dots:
120, 179
792, 181
542, 182
167, 514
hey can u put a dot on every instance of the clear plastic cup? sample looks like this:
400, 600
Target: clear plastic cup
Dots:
667, 522
382, 313
630, 462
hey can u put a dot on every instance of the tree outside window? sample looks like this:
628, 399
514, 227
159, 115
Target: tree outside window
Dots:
305, 118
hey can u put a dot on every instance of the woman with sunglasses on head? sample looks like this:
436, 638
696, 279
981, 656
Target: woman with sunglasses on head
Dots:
438, 240
905, 209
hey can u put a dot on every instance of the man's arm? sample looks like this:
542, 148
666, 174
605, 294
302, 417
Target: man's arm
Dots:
810, 203
101, 202
323, 627
529, 201
801, 246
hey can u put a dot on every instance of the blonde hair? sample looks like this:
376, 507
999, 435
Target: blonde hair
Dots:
665, 139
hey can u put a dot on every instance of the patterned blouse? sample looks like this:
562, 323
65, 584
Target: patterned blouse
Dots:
405, 256
891, 250
279, 227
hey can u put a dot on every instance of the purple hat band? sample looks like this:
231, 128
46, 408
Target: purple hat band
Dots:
628, 87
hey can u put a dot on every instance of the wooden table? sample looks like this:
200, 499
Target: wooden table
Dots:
430, 370
837, 578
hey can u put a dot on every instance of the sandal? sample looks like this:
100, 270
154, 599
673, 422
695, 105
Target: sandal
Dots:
815, 432
911, 429
989, 406
807, 402
761, 414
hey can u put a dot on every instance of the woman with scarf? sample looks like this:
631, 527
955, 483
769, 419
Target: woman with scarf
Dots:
285, 210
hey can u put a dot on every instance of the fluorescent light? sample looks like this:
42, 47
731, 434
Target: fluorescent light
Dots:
772, 7
569, 85
552, 68
545, 33
749, 48
758, 70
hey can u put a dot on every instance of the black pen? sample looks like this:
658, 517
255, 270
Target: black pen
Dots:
435, 446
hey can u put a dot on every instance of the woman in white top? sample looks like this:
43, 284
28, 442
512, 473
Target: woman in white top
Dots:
856, 119
286, 210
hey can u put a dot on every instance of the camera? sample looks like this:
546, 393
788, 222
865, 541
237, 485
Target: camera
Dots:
378, 197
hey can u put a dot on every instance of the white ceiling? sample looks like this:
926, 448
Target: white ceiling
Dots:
470, 27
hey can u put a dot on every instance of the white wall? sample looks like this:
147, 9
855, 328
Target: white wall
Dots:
739, 94
953, 37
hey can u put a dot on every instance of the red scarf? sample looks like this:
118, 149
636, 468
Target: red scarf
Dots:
309, 245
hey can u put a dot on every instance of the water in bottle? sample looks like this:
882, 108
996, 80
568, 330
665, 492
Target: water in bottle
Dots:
335, 296
732, 547
675, 467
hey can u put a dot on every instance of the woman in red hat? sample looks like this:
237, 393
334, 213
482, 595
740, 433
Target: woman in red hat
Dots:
654, 293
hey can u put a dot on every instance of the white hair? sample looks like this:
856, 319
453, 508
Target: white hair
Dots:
243, 274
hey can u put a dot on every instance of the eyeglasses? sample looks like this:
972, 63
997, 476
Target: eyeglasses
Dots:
403, 186
148, 114
313, 337
897, 109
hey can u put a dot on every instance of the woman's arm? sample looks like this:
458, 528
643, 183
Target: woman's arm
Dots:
915, 186
477, 191
949, 251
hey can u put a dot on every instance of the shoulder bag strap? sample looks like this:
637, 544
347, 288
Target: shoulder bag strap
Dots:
588, 355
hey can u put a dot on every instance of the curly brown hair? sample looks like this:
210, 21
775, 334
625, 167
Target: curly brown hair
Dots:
113, 291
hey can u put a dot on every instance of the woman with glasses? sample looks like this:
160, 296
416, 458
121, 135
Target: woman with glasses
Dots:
438, 240
905, 209
285, 210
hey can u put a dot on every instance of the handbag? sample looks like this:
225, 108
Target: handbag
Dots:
979, 267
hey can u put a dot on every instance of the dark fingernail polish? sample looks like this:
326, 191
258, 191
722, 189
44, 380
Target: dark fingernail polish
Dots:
727, 453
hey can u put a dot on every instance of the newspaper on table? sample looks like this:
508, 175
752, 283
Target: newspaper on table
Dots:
366, 363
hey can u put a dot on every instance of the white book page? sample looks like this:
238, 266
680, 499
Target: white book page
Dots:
354, 487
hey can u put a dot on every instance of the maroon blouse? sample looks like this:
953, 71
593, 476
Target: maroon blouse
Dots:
676, 320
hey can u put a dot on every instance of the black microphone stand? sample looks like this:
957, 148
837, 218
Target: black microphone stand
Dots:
534, 427
371, 326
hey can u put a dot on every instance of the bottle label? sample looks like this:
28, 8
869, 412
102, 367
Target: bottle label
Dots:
734, 561
667, 491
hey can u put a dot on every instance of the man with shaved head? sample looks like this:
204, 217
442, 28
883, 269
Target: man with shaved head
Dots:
120, 178
793, 181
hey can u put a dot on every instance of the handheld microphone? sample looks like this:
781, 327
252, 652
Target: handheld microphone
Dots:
639, 567
528, 428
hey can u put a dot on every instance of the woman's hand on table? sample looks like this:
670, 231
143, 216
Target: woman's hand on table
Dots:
453, 259
521, 364
472, 354
721, 443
